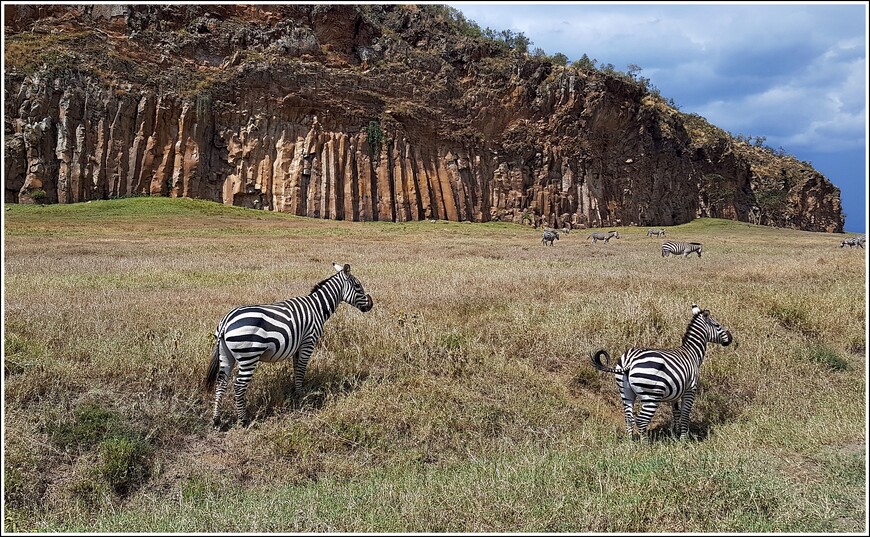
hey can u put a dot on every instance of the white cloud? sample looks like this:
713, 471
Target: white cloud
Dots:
793, 73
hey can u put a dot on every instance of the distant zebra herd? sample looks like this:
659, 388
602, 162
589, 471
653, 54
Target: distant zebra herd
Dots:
668, 247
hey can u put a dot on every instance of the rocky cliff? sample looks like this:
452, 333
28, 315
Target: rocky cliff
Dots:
364, 113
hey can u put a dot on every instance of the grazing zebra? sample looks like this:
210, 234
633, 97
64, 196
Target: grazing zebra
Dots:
664, 375
599, 236
853, 241
549, 236
272, 332
656, 232
684, 248
566, 230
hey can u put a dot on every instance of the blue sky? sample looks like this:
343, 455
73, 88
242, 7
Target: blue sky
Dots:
793, 73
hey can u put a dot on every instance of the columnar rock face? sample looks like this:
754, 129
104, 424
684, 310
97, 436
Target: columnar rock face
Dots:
348, 113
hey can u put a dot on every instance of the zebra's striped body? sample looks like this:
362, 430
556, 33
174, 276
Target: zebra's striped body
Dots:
852, 242
664, 375
599, 236
550, 235
656, 232
681, 248
272, 332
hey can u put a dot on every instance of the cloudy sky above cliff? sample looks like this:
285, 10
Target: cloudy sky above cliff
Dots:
793, 73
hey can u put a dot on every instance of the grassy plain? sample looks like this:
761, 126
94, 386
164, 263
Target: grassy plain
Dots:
463, 402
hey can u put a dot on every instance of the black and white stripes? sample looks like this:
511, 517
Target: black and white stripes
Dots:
681, 248
664, 375
272, 332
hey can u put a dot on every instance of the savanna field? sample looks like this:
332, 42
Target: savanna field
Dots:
464, 401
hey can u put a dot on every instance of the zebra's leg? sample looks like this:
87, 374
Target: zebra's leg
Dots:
299, 367
628, 397
686, 408
675, 418
224, 374
647, 410
243, 378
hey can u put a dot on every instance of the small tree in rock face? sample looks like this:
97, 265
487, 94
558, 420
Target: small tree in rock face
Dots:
375, 137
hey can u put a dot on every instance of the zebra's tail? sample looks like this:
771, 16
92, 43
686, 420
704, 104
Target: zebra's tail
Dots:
214, 367
599, 365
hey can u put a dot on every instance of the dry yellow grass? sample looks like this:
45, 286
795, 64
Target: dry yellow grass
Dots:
473, 360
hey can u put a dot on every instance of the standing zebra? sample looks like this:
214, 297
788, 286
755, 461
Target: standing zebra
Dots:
549, 236
599, 236
656, 232
272, 332
684, 248
671, 375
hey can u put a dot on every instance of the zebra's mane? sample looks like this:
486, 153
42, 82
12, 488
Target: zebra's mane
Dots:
319, 285
702, 313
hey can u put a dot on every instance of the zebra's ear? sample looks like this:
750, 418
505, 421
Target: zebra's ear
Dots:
347, 268
337, 267
695, 309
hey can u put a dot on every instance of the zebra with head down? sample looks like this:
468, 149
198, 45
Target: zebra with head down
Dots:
681, 248
600, 236
655, 232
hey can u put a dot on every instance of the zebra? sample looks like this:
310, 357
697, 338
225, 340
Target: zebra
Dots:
566, 229
664, 375
599, 236
272, 332
656, 232
853, 241
549, 236
684, 248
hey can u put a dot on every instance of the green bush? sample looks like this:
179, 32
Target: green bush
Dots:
124, 463
92, 424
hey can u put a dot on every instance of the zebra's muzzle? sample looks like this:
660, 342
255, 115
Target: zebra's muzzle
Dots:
727, 339
368, 305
